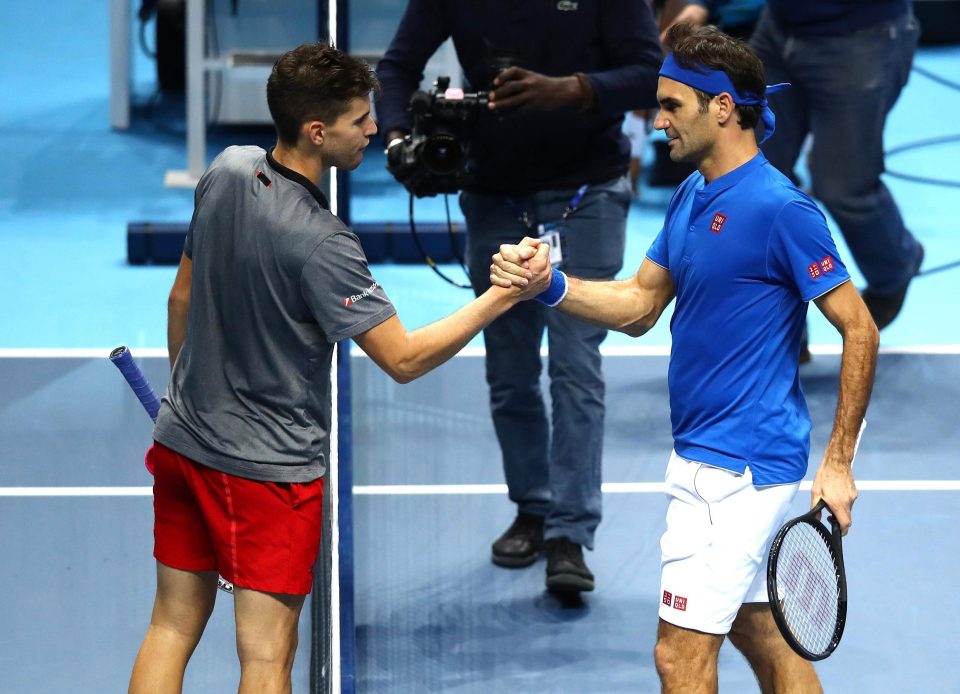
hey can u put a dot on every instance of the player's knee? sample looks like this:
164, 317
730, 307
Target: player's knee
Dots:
669, 659
744, 641
185, 625
260, 651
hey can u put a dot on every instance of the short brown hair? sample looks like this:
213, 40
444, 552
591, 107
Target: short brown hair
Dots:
711, 47
314, 81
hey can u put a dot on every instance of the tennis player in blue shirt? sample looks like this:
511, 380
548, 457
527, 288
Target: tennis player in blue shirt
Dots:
743, 252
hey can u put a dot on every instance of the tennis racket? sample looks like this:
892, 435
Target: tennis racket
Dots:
807, 584
123, 360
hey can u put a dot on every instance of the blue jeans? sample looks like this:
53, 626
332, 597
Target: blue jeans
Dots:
552, 467
842, 89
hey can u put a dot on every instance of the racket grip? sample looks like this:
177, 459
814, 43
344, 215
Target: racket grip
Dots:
123, 360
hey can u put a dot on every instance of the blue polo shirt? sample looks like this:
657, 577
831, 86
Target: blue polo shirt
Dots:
746, 252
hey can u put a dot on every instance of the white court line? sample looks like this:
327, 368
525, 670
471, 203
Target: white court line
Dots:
471, 489
76, 491
638, 487
605, 350
78, 352
664, 350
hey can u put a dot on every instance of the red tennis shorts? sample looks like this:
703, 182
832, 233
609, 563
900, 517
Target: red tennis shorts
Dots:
264, 536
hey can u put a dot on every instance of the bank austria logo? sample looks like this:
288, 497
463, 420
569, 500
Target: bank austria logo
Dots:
354, 298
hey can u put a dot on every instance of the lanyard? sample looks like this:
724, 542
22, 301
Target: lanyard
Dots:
572, 207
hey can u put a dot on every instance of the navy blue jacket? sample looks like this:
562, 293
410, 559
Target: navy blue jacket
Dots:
614, 42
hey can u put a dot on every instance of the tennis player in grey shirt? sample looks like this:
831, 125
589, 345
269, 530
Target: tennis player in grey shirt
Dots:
269, 281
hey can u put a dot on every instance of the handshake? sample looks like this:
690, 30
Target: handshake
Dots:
526, 267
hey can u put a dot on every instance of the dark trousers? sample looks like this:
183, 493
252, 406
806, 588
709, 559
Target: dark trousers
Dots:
552, 463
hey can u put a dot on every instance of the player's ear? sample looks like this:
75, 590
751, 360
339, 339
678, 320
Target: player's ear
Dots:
725, 107
313, 132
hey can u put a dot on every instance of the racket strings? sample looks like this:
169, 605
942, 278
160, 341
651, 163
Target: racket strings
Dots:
808, 588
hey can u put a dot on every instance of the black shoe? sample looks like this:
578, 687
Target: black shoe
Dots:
566, 570
521, 544
885, 307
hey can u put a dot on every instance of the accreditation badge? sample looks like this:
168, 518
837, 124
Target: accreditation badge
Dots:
553, 233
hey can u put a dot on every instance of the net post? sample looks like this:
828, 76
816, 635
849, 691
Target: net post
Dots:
345, 525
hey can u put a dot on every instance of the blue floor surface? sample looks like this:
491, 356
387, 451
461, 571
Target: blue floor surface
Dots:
432, 613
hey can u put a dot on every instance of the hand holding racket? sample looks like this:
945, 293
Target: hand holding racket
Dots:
833, 484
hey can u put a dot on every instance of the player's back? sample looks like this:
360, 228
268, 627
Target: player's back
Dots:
249, 381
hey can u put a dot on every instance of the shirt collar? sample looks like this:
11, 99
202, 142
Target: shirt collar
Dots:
731, 178
298, 178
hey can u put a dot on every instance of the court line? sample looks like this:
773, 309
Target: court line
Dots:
638, 487
605, 350
76, 491
77, 352
474, 489
664, 350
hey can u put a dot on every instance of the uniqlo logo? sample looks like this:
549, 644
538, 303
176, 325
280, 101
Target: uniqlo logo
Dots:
826, 264
717, 225
667, 598
814, 271
680, 603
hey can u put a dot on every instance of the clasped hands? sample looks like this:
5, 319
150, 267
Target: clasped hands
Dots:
525, 265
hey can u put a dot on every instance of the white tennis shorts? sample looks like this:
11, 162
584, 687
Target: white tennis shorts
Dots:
714, 551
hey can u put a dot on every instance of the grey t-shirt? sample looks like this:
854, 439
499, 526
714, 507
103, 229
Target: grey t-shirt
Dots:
277, 279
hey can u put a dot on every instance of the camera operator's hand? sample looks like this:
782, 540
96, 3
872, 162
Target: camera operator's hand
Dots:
398, 163
516, 88
394, 140
394, 136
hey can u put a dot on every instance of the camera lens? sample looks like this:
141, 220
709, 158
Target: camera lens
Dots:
443, 154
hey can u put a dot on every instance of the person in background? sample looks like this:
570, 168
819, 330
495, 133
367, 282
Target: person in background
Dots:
550, 159
636, 126
734, 17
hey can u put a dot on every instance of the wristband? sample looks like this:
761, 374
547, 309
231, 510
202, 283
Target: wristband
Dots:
555, 293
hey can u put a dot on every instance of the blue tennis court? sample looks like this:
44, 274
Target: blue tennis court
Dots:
432, 614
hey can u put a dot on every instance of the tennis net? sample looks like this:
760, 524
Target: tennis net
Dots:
331, 605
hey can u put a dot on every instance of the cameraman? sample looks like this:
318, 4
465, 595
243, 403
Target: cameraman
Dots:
548, 159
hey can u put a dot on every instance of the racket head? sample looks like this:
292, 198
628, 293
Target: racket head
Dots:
806, 565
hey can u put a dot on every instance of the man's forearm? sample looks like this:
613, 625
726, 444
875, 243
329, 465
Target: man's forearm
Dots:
857, 368
427, 347
620, 305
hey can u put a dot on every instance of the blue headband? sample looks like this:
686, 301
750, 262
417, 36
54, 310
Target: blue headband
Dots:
715, 82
